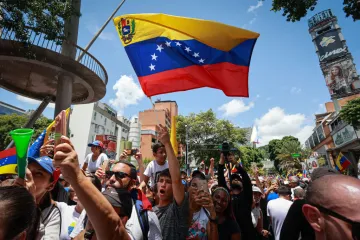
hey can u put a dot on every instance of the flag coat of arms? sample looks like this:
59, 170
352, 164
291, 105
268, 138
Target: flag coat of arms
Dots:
171, 53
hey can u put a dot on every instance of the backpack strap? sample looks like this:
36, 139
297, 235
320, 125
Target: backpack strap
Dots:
143, 218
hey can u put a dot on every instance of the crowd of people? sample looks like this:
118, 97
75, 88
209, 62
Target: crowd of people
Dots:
120, 201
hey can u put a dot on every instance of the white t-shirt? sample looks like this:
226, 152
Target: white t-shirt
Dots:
153, 169
50, 224
94, 165
277, 210
79, 226
69, 218
133, 227
255, 215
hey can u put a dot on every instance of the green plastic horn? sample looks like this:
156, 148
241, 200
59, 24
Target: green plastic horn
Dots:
21, 138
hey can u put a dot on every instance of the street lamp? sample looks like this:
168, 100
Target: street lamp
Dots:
186, 151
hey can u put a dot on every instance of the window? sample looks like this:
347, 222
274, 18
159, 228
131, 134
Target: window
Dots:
94, 116
320, 133
135, 120
105, 121
96, 128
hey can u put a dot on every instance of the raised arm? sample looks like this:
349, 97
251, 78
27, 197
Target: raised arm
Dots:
174, 166
103, 217
211, 168
221, 178
248, 196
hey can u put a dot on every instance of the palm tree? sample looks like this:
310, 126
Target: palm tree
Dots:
286, 161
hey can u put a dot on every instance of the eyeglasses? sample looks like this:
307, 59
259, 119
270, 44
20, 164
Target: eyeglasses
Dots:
354, 225
118, 175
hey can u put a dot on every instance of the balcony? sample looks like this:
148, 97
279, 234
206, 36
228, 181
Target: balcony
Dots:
37, 77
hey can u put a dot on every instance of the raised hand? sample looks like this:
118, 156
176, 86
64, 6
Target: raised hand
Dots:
47, 148
27, 183
66, 159
163, 136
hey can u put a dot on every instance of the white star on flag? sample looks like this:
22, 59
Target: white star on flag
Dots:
196, 55
159, 48
125, 29
187, 49
168, 44
178, 44
154, 57
152, 67
201, 60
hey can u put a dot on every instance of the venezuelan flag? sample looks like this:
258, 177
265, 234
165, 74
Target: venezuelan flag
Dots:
342, 163
8, 161
171, 53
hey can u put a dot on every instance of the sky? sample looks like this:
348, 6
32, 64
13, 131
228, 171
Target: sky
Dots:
286, 84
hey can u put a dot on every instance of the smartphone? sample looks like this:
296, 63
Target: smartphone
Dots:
105, 165
131, 152
202, 186
60, 126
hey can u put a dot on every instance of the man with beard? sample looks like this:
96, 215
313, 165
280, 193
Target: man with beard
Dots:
241, 196
123, 176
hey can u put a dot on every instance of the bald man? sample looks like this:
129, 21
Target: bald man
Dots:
332, 207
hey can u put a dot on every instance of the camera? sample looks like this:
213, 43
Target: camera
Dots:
225, 149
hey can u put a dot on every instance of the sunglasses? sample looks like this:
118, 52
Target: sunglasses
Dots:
354, 225
118, 175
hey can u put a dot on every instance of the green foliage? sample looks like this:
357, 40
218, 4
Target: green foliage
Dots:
42, 16
321, 161
294, 10
205, 133
146, 161
350, 113
249, 156
14, 121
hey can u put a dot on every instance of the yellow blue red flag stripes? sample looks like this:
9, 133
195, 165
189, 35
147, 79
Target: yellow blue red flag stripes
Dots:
8, 161
342, 163
171, 53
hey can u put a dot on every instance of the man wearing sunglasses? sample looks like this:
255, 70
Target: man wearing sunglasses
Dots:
123, 176
332, 207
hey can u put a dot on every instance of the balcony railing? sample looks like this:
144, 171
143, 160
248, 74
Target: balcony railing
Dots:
39, 40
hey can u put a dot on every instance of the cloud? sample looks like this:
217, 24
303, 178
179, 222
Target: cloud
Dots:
93, 29
276, 124
234, 107
268, 98
127, 93
254, 7
295, 90
32, 101
258, 96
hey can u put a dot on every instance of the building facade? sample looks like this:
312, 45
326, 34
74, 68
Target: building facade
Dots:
90, 120
161, 113
6, 109
331, 136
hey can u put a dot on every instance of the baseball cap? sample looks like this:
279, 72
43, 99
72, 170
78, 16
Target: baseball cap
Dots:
113, 197
45, 162
322, 171
256, 189
96, 144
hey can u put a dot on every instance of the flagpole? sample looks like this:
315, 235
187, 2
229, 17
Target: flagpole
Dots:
99, 32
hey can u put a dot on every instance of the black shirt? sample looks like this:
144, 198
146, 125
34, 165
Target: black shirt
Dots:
295, 224
227, 229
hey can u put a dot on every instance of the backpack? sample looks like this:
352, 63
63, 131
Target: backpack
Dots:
143, 218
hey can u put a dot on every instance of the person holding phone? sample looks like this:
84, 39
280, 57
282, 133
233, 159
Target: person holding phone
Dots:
203, 220
95, 159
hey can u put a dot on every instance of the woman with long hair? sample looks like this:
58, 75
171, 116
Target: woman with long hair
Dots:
41, 173
228, 228
18, 214
96, 158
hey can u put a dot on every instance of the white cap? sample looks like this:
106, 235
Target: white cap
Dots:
256, 189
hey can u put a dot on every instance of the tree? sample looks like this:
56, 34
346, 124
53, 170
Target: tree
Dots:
294, 10
350, 113
206, 133
249, 156
42, 16
14, 121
